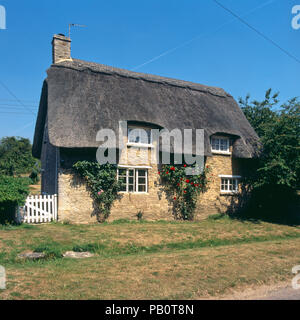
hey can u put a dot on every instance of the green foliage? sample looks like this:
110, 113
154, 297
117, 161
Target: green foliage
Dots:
15, 156
34, 176
184, 189
260, 114
51, 249
277, 175
103, 184
279, 131
13, 192
14, 189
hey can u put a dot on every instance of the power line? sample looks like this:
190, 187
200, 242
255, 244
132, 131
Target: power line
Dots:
15, 97
17, 106
15, 111
257, 31
24, 113
199, 36
24, 101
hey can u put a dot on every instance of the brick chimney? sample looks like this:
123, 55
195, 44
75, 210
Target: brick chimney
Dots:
61, 48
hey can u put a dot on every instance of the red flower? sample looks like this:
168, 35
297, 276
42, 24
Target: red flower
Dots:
185, 165
158, 172
167, 172
187, 180
178, 184
173, 168
181, 179
192, 183
174, 198
184, 191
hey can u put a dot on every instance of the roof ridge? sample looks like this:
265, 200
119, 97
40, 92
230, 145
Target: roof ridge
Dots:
82, 65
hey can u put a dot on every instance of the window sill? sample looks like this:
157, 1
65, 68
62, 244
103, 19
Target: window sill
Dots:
125, 192
140, 145
229, 193
227, 153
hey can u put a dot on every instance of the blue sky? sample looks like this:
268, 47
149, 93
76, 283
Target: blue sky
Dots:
128, 34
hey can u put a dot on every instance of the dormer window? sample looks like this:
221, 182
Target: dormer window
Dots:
220, 145
139, 136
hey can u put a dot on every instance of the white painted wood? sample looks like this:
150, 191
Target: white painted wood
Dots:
39, 209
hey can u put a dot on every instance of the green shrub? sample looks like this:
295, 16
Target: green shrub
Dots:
103, 184
34, 176
13, 192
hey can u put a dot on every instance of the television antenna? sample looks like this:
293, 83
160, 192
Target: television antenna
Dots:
75, 25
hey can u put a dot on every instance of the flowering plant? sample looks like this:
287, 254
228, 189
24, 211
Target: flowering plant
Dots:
184, 190
102, 182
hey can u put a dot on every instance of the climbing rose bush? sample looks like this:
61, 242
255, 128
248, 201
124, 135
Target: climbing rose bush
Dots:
184, 190
103, 184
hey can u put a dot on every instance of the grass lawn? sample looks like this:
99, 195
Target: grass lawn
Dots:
147, 260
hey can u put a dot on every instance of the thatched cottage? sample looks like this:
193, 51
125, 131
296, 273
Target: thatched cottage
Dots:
79, 98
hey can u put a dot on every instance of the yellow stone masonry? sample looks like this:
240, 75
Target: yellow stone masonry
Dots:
76, 204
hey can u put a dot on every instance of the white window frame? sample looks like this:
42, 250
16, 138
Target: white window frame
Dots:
236, 183
220, 151
135, 178
139, 144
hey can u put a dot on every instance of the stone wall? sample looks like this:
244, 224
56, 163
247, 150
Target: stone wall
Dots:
213, 201
76, 204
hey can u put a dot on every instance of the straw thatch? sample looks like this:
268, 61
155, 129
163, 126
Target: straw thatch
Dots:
79, 98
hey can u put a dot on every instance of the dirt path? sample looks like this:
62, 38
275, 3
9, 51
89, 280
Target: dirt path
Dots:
281, 291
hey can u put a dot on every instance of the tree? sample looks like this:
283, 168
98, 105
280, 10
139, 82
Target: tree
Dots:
15, 156
278, 126
13, 192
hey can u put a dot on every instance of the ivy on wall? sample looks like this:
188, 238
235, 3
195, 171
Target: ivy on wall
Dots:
103, 184
184, 189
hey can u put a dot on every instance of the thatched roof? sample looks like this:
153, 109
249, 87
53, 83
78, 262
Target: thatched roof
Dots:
79, 98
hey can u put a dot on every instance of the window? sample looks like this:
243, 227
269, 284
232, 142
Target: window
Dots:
230, 184
133, 179
139, 136
220, 145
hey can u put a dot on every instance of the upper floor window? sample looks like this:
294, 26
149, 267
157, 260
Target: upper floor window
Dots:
220, 145
139, 136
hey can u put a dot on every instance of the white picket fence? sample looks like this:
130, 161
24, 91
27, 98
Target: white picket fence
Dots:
38, 209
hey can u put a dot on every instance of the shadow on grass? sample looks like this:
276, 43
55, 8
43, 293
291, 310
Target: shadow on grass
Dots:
279, 206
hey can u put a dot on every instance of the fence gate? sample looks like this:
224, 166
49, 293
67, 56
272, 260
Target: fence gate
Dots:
37, 209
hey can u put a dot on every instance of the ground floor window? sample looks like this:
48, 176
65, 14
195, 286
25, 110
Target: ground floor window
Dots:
133, 179
229, 184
